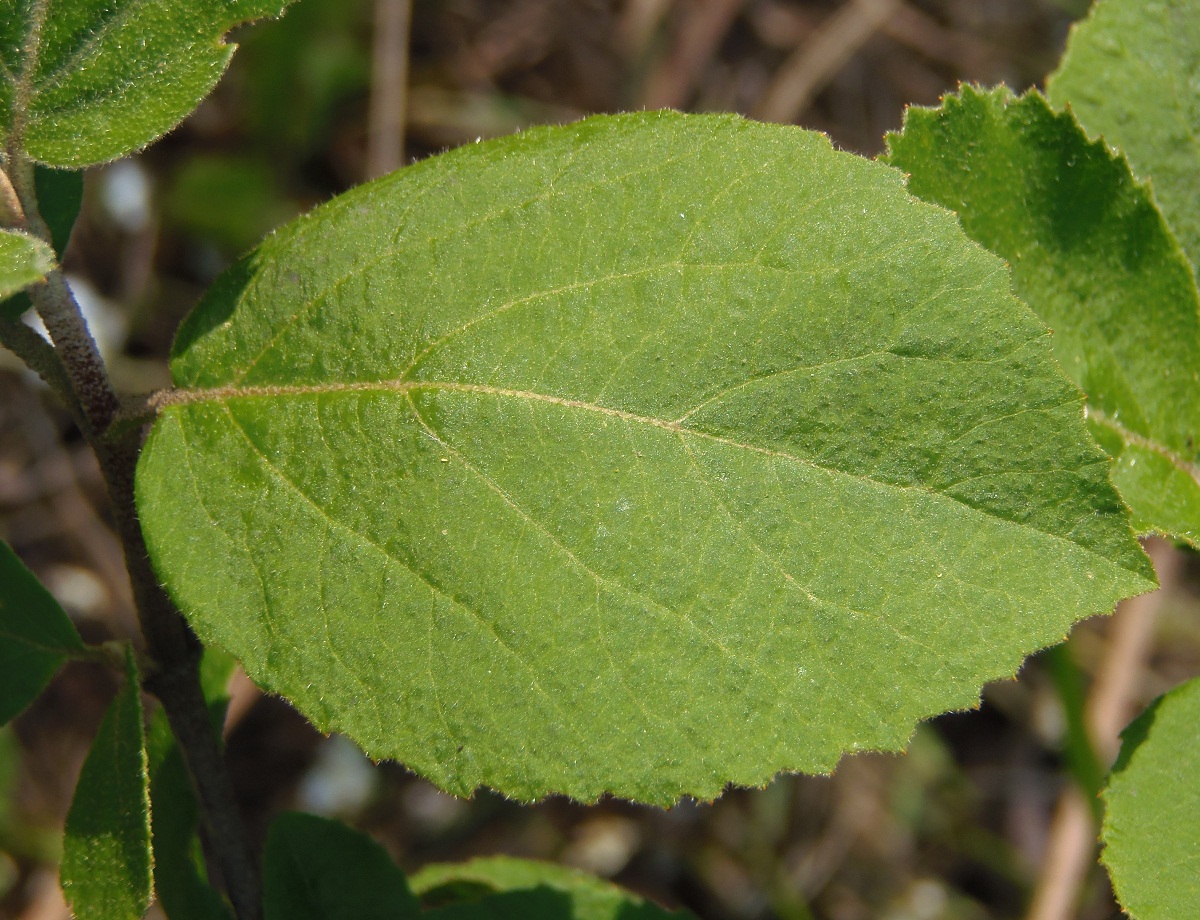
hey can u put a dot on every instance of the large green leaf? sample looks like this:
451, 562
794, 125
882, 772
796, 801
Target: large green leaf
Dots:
36, 636
24, 260
1092, 255
1130, 73
502, 887
85, 81
644, 455
317, 869
106, 850
1151, 832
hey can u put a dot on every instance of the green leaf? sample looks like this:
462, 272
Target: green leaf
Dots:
36, 636
317, 869
1151, 835
1092, 255
24, 260
60, 195
1130, 73
106, 850
180, 881
647, 454
502, 887
85, 81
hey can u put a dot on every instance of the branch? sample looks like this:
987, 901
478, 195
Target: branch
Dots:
174, 650
389, 84
1071, 848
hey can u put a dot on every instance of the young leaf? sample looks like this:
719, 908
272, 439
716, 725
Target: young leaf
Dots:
645, 455
317, 869
503, 887
1092, 255
60, 194
36, 636
24, 260
1129, 73
180, 882
1151, 833
85, 81
106, 850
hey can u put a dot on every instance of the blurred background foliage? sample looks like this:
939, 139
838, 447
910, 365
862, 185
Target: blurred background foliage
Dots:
956, 828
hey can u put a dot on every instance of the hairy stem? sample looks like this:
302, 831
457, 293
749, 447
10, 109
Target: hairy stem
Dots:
173, 648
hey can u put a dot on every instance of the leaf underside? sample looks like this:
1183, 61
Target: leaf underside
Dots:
1130, 73
1091, 254
644, 455
86, 81
1151, 835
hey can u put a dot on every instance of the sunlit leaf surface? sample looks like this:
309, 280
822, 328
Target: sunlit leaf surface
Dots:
644, 455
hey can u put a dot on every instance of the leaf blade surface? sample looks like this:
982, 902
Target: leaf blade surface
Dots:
1093, 257
583, 494
106, 867
36, 636
87, 81
24, 260
318, 869
1151, 839
500, 886
1129, 73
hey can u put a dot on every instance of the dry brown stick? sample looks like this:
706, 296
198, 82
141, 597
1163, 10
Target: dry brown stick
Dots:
674, 80
638, 22
389, 87
811, 66
1071, 846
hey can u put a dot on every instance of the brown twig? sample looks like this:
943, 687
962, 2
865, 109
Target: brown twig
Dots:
389, 85
817, 61
1071, 846
673, 82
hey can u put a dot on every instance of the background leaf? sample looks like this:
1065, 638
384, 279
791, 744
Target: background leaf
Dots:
500, 886
106, 849
85, 81
36, 636
1151, 835
643, 455
317, 869
24, 260
1093, 257
1129, 73
180, 880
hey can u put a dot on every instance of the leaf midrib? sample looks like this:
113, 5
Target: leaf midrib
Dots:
404, 388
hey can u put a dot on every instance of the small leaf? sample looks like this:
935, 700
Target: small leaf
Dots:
36, 636
1091, 254
60, 194
106, 849
180, 881
1151, 832
1129, 74
643, 455
317, 869
85, 81
502, 887
24, 260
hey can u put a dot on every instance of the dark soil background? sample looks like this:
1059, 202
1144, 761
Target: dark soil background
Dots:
956, 828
